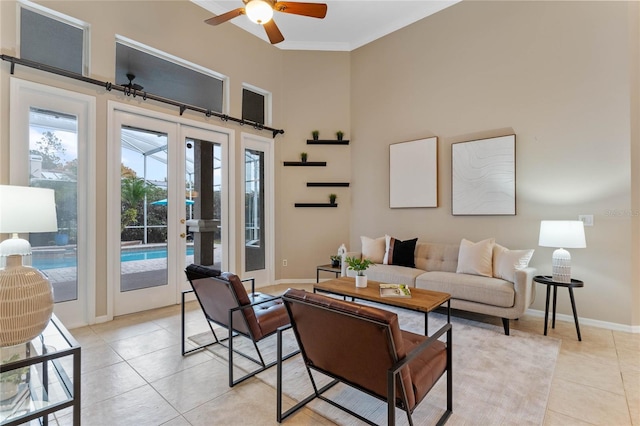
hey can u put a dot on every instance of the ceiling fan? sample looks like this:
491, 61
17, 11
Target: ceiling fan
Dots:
261, 12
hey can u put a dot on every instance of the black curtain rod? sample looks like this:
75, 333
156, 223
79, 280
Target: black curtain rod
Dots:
132, 92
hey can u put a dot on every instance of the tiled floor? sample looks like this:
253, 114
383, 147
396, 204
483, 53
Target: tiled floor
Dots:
133, 374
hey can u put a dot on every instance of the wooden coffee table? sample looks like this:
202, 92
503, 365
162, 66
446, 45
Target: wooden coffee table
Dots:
420, 300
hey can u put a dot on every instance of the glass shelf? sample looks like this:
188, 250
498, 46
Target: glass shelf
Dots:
47, 370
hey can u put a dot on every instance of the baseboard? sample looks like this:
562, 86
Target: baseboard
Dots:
588, 321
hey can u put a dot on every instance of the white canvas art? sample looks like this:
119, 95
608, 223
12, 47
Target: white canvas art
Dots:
484, 177
413, 173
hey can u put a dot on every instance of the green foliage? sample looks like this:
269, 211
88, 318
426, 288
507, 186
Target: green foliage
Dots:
358, 264
49, 147
13, 376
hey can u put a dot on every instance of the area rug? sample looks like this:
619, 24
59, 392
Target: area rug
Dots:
497, 379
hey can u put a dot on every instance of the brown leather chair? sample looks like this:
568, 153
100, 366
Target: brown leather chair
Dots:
364, 347
225, 302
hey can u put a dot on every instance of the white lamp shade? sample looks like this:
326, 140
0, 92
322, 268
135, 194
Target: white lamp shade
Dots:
259, 11
562, 234
27, 209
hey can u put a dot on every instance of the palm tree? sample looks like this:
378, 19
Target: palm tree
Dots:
132, 192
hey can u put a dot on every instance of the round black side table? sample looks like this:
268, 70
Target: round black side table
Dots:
549, 282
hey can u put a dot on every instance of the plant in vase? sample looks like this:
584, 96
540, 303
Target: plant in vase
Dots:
359, 265
303, 157
339, 134
332, 198
335, 261
315, 134
10, 380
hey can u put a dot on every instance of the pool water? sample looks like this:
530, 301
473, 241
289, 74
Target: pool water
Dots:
68, 259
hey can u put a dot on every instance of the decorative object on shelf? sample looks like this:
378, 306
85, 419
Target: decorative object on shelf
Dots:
339, 134
303, 157
562, 234
24, 209
411, 163
342, 250
315, 134
335, 261
332, 198
26, 302
11, 380
359, 265
483, 178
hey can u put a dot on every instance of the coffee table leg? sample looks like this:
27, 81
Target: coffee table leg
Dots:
426, 323
575, 313
546, 310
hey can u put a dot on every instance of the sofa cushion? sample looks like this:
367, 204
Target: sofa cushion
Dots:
373, 248
437, 256
399, 252
476, 258
475, 288
391, 274
505, 261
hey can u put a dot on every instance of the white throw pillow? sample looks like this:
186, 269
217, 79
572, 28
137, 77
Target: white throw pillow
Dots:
476, 258
373, 249
505, 261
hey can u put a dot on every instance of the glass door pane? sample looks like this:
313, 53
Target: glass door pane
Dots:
254, 210
53, 163
203, 197
144, 212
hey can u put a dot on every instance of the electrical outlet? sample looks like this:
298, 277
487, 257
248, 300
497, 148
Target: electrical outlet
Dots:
284, 262
587, 219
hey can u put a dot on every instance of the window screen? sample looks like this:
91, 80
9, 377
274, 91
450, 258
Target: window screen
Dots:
50, 41
252, 106
168, 79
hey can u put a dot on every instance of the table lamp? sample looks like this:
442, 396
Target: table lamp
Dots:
26, 295
24, 209
561, 234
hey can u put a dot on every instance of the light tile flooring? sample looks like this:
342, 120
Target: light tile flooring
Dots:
133, 374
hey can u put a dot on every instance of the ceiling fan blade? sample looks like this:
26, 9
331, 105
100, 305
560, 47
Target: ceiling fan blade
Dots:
314, 10
217, 20
273, 32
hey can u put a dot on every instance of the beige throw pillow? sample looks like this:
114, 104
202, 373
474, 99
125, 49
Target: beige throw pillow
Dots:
506, 262
373, 249
476, 258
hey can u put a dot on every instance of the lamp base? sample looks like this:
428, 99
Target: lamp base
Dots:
561, 266
15, 245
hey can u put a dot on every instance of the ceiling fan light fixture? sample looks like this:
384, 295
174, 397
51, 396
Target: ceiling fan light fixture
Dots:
259, 11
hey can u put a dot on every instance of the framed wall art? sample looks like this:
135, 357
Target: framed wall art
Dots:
484, 176
413, 173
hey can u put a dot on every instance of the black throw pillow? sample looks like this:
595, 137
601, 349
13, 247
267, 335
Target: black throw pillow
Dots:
402, 253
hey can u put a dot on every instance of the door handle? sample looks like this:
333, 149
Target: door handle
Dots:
182, 221
183, 235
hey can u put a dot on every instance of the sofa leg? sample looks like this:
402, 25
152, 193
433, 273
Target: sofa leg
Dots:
505, 324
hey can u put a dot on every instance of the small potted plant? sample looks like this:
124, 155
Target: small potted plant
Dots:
335, 261
11, 380
359, 265
303, 157
339, 134
315, 134
332, 198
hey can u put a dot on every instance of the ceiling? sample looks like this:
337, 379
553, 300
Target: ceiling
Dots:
348, 25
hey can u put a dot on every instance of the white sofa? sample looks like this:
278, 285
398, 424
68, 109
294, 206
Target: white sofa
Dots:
435, 269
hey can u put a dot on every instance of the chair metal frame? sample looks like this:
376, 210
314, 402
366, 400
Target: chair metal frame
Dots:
232, 332
393, 374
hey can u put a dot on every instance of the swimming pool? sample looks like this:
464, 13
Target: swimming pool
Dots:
66, 258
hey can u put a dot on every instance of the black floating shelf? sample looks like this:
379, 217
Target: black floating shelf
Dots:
328, 184
306, 164
316, 205
327, 142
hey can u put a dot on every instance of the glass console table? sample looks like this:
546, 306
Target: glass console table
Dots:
40, 377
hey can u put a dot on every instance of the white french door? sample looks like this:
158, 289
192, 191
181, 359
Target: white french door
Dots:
168, 204
52, 135
258, 200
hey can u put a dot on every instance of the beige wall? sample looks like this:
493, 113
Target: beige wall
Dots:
558, 75
555, 74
